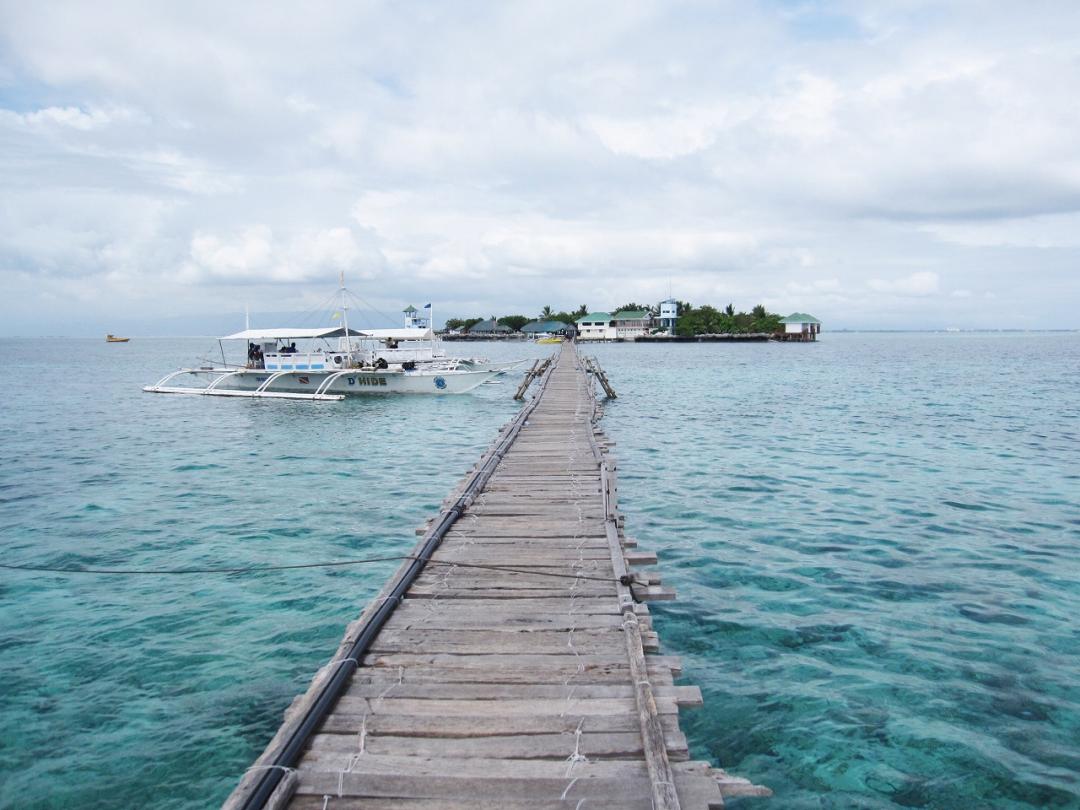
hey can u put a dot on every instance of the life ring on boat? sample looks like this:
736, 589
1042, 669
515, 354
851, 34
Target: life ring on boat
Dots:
337, 359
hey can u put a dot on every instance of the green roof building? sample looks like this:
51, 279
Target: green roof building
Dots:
623, 325
631, 323
596, 326
489, 327
800, 326
544, 327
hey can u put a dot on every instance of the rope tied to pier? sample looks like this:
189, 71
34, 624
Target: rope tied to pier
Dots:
576, 756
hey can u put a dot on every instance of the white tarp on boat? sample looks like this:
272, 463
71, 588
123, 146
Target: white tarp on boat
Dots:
294, 333
398, 334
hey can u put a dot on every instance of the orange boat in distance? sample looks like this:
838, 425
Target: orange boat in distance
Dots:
115, 339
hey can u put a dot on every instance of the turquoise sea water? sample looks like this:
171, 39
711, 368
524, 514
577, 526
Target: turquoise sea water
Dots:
874, 540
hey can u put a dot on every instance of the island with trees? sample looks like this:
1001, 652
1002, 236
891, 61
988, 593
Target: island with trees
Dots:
693, 322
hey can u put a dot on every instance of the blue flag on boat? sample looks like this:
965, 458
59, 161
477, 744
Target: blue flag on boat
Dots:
427, 306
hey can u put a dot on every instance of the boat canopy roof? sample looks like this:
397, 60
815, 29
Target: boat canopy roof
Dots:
398, 334
294, 333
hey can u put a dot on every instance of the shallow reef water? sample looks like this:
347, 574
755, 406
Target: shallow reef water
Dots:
875, 540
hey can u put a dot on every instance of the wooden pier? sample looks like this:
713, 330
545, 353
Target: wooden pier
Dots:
510, 663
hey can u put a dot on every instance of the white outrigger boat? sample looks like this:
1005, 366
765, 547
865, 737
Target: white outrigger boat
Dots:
335, 362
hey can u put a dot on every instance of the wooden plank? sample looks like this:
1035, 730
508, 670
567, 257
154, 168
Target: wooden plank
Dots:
595, 745
494, 778
542, 663
579, 604
576, 560
482, 725
365, 686
334, 802
506, 619
506, 641
507, 707
572, 791
499, 591
514, 674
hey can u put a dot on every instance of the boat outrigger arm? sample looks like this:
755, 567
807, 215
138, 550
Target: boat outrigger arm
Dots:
212, 390
219, 375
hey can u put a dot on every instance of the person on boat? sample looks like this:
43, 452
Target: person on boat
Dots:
257, 357
251, 355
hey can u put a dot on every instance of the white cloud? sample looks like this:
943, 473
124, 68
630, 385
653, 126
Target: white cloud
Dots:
805, 110
72, 117
244, 255
917, 284
844, 160
671, 134
821, 286
254, 254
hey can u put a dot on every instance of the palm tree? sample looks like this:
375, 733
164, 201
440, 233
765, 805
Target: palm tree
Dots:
546, 313
729, 310
582, 311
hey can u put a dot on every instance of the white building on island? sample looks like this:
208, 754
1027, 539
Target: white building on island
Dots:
596, 326
417, 318
631, 323
669, 314
800, 326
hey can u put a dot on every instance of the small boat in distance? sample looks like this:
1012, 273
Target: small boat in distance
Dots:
115, 339
552, 339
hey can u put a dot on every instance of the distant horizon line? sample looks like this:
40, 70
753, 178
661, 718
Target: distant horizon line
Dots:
943, 331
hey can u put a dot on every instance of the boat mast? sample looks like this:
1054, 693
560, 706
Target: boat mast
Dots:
345, 311
247, 328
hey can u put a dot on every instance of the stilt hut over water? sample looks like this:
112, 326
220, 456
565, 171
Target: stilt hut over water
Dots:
799, 326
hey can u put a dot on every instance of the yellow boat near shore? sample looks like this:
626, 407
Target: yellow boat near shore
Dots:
555, 339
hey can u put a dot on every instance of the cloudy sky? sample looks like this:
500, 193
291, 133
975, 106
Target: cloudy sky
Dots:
888, 164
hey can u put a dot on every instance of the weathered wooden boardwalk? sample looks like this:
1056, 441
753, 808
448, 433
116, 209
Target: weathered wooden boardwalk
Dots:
518, 669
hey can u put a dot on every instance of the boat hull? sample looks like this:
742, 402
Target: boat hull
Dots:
352, 383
